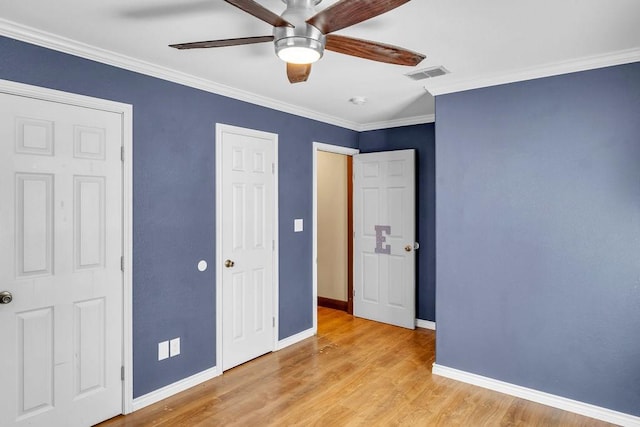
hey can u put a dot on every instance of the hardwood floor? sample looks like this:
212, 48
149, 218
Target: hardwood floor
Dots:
354, 372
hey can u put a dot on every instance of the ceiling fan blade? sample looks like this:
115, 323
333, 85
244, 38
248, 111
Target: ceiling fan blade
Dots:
222, 43
255, 9
298, 73
349, 12
373, 50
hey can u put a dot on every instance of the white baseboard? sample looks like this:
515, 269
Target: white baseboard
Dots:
559, 402
295, 339
426, 324
175, 388
182, 385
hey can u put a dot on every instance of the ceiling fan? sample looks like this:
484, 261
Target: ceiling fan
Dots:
301, 35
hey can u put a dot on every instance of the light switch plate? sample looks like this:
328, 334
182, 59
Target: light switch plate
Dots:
174, 347
163, 350
298, 225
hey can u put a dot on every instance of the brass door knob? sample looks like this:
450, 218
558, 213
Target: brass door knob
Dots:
415, 246
228, 263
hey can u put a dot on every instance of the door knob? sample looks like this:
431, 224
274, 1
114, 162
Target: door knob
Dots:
415, 246
228, 263
5, 297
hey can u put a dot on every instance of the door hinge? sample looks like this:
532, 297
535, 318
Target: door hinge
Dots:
122, 263
273, 321
273, 245
122, 373
122, 154
273, 168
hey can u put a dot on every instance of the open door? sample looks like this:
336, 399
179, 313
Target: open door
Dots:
384, 237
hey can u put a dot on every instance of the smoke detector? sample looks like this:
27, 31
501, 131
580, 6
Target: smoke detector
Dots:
358, 100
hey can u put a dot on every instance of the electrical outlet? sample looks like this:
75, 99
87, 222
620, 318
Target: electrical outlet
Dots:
163, 350
174, 347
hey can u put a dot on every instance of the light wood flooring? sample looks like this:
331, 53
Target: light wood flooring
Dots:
353, 373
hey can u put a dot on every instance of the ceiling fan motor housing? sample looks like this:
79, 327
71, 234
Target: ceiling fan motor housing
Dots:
302, 35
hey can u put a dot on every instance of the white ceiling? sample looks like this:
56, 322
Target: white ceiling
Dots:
479, 42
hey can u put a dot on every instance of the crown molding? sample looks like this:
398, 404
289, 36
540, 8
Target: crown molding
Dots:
408, 121
62, 44
610, 59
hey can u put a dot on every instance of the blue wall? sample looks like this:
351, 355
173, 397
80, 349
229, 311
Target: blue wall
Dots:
422, 139
173, 201
538, 234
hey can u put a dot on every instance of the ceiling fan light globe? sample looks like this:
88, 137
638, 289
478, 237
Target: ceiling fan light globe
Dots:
299, 50
298, 55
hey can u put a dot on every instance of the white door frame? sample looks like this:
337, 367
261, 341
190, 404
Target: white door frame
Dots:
219, 129
126, 111
337, 149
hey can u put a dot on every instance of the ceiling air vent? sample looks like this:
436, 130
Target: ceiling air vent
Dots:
428, 73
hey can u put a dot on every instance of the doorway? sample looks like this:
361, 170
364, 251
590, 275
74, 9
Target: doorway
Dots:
332, 228
335, 225
384, 243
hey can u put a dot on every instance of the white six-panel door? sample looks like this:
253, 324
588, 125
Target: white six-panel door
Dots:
384, 227
247, 252
60, 248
